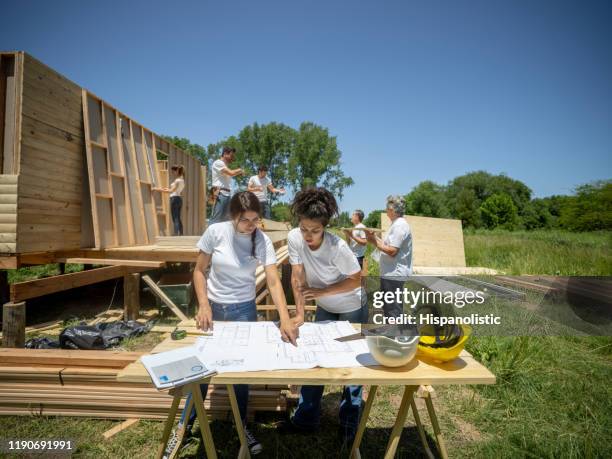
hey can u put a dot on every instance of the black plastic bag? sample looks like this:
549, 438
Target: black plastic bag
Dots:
42, 343
101, 336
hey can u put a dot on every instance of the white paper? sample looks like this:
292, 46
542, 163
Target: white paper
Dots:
255, 346
175, 368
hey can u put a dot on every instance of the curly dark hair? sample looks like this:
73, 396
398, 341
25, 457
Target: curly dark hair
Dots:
315, 204
242, 202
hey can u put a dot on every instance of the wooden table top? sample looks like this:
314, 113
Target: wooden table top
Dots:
463, 370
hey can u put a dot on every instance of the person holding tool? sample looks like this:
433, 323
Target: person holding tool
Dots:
395, 254
357, 238
176, 200
232, 250
325, 270
221, 185
260, 184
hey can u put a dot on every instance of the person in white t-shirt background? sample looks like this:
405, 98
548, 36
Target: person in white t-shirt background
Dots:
176, 200
222, 185
395, 253
324, 269
233, 250
357, 238
261, 184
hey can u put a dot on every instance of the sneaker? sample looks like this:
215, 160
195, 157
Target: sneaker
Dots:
254, 445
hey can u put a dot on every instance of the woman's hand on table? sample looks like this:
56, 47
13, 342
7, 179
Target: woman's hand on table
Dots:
298, 320
289, 331
204, 320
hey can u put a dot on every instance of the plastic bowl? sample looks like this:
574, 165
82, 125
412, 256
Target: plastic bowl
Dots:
393, 352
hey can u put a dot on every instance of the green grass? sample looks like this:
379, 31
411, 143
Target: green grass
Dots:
558, 252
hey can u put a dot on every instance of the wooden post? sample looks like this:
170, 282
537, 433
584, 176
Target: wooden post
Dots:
13, 324
131, 296
62, 268
4, 287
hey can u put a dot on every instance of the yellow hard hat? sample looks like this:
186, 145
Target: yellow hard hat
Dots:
444, 347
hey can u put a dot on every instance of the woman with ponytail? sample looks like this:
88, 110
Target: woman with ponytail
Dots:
232, 250
324, 269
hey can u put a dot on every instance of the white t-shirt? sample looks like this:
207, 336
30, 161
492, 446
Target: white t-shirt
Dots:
398, 267
262, 182
358, 249
219, 178
232, 272
331, 263
180, 186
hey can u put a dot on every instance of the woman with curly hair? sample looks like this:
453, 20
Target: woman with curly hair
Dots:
324, 269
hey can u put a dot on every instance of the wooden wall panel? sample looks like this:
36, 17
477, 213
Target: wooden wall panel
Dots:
54, 208
436, 242
51, 161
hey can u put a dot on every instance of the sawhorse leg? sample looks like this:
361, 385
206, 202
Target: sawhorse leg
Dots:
355, 454
169, 422
436, 426
396, 433
244, 446
202, 415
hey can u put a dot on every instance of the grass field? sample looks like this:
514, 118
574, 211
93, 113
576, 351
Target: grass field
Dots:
553, 397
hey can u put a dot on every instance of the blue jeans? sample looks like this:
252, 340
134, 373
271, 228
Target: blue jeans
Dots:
176, 202
308, 412
241, 312
220, 212
265, 209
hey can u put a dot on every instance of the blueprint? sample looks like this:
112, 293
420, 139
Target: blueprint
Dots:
256, 346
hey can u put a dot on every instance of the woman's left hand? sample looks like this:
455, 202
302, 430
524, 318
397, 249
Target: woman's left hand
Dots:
370, 236
312, 293
289, 331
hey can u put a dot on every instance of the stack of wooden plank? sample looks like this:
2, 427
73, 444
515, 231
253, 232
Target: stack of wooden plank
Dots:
84, 383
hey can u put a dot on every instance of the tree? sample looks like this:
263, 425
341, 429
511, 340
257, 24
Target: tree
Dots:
281, 212
342, 221
468, 192
590, 209
373, 219
194, 149
498, 211
536, 215
427, 199
315, 161
269, 145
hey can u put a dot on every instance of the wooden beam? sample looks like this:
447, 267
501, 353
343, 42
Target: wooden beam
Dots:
120, 427
31, 289
159, 292
117, 262
13, 325
67, 357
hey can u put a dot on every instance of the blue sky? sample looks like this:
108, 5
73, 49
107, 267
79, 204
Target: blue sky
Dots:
412, 90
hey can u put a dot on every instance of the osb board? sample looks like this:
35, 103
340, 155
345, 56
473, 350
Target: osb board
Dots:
435, 241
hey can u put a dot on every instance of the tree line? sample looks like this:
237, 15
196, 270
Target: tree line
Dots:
309, 156
483, 200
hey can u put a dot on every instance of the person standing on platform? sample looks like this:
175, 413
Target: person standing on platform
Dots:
261, 184
176, 200
221, 185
